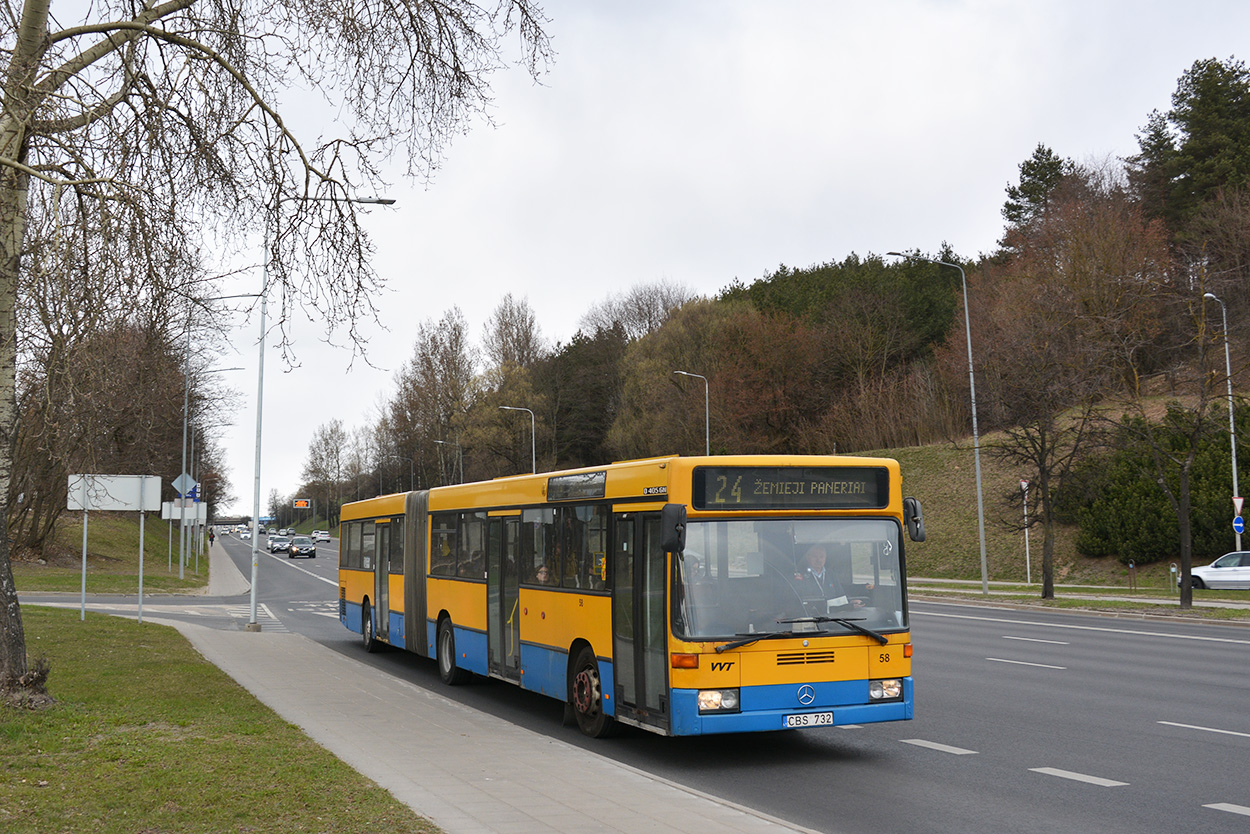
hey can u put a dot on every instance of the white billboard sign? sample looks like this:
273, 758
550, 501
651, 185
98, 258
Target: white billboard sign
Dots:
116, 493
121, 493
196, 511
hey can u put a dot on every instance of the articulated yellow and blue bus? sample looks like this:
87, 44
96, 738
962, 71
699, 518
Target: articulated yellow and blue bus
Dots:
682, 595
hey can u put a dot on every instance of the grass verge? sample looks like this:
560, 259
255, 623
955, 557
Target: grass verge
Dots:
147, 736
113, 559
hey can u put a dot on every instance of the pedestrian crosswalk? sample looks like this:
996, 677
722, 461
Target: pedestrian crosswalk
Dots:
320, 607
264, 617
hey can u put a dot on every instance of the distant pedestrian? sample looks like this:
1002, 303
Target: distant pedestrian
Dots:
211, 537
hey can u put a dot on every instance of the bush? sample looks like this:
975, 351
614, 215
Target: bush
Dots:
1121, 509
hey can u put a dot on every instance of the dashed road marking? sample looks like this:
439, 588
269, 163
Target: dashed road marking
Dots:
1036, 640
1024, 663
1205, 729
941, 748
1229, 807
1078, 777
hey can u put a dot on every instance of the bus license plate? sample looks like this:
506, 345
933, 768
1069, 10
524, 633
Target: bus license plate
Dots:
810, 719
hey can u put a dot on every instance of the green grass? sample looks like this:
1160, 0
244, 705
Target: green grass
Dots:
112, 559
147, 736
943, 477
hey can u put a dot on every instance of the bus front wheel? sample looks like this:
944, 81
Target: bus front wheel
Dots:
586, 691
450, 673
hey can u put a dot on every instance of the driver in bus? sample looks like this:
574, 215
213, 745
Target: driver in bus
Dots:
816, 582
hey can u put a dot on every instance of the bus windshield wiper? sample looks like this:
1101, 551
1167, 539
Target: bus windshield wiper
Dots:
850, 622
748, 639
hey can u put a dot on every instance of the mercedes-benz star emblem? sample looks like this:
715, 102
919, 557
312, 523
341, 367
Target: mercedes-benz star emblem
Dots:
806, 694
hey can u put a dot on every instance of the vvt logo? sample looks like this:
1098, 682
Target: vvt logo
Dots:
806, 694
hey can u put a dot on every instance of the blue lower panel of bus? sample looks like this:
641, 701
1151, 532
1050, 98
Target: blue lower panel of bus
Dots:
545, 670
396, 636
353, 621
766, 708
470, 646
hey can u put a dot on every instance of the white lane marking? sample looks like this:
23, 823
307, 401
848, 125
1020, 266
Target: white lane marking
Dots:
941, 748
1035, 640
1205, 729
1023, 663
1229, 807
290, 564
1085, 628
1078, 777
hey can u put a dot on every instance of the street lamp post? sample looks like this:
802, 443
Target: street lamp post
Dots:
459, 457
412, 477
186, 407
1232, 423
972, 389
533, 442
707, 415
252, 625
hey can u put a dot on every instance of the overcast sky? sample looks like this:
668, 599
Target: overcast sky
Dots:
699, 142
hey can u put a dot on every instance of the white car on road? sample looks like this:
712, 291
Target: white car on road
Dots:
1232, 570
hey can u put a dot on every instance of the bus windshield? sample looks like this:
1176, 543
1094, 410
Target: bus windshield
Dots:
741, 577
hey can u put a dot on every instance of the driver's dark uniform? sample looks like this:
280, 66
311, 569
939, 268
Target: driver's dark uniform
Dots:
822, 587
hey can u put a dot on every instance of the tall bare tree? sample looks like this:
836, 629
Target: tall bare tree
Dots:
640, 310
434, 392
323, 470
1070, 319
512, 335
152, 122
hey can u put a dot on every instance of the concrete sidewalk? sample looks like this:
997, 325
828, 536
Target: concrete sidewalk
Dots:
463, 769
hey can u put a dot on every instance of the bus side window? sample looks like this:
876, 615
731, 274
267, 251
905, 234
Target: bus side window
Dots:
443, 545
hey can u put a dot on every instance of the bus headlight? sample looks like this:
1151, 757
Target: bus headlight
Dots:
888, 689
718, 700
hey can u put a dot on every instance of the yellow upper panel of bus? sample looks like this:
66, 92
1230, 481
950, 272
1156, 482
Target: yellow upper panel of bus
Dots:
654, 479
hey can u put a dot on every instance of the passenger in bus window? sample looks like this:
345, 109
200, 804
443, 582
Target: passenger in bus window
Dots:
474, 567
542, 576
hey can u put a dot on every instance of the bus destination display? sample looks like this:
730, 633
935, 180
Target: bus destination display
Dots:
790, 487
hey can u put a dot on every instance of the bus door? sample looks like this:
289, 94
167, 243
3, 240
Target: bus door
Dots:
381, 582
640, 637
503, 622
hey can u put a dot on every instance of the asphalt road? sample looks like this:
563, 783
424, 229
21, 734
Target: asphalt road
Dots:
1027, 721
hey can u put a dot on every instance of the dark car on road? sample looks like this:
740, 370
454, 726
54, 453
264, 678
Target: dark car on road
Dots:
302, 546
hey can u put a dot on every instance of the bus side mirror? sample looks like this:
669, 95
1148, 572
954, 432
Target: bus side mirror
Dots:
673, 528
913, 517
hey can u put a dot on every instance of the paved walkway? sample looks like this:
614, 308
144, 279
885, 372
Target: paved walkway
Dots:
463, 769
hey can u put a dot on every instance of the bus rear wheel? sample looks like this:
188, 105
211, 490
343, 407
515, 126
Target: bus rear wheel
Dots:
450, 673
586, 692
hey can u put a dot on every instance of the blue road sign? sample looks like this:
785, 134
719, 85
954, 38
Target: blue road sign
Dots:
1239, 525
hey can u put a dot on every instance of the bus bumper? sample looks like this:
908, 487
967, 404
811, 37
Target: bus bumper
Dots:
766, 708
